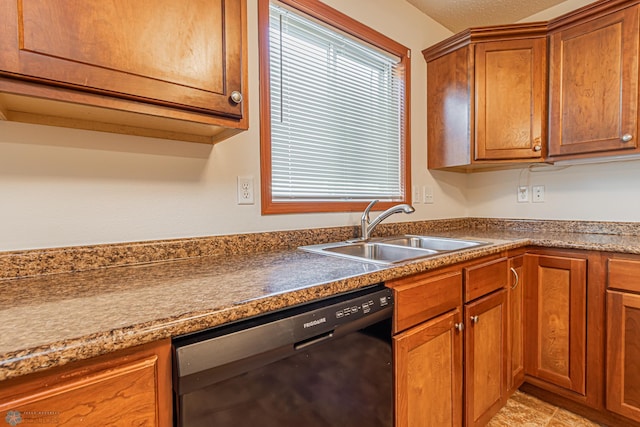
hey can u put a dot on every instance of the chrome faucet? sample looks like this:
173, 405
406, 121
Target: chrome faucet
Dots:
367, 227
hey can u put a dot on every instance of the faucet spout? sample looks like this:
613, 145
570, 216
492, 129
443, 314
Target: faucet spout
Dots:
367, 227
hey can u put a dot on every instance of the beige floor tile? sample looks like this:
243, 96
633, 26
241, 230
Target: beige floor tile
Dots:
534, 403
523, 410
556, 423
569, 418
515, 413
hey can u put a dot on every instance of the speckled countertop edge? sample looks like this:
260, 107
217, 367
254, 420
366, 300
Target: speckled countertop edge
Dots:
57, 352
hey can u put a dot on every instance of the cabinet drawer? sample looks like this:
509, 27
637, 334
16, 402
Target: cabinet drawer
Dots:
624, 274
422, 297
484, 278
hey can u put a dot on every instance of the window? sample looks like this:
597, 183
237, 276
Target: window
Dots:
334, 111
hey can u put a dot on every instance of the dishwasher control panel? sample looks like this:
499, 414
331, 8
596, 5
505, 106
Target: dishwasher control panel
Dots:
342, 312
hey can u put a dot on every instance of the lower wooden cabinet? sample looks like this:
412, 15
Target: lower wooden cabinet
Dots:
556, 320
430, 332
623, 354
428, 361
485, 357
128, 388
623, 336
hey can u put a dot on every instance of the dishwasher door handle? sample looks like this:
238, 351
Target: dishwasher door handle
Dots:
313, 340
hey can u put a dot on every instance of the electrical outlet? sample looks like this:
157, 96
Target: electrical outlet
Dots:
427, 194
523, 194
416, 194
538, 193
245, 190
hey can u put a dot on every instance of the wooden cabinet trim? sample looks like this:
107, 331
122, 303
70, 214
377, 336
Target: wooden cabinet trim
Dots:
485, 34
588, 12
515, 324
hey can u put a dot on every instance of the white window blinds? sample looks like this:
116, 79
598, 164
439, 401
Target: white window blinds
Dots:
337, 114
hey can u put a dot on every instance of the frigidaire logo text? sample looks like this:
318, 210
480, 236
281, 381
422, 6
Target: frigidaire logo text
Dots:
315, 322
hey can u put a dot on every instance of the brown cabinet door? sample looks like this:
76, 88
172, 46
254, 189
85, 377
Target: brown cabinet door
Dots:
593, 85
515, 325
623, 354
131, 389
428, 374
485, 358
449, 112
556, 320
181, 54
510, 78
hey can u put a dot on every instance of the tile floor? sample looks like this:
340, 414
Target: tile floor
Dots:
524, 410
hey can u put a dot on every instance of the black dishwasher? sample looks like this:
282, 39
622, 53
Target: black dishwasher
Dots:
322, 364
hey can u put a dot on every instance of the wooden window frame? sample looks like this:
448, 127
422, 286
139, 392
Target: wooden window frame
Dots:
336, 19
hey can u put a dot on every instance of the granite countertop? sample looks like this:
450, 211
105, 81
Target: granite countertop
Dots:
50, 320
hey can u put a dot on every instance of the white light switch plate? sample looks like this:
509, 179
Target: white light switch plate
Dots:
538, 193
427, 193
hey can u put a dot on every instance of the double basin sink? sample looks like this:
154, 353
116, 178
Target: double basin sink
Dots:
395, 249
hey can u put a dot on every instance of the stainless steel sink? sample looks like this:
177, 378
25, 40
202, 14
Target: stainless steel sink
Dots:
392, 250
380, 252
432, 243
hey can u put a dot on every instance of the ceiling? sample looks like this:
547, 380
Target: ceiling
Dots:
458, 15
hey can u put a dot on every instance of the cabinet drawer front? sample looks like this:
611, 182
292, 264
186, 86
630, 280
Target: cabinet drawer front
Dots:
624, 274
484, 278
124, 395
421, 298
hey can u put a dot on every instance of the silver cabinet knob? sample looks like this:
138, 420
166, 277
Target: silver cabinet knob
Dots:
236, 97
474, 319
537, 147
459, 326
626, 137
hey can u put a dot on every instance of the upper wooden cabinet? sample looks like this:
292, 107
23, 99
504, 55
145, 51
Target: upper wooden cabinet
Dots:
176, 69
486, 97
593, 82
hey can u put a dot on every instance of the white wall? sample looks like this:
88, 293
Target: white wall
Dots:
602, 192
61, 187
